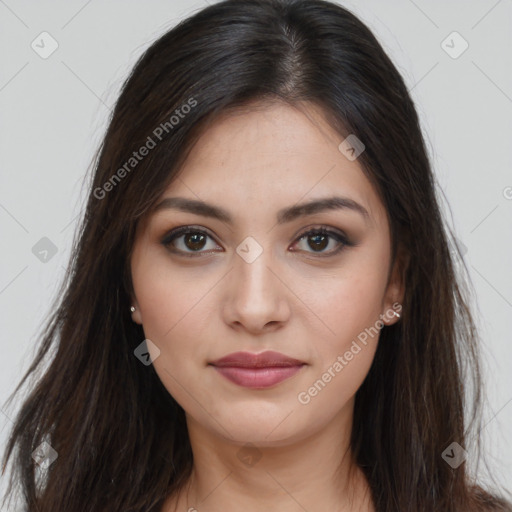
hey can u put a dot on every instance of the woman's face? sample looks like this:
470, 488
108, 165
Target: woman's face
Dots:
247, 278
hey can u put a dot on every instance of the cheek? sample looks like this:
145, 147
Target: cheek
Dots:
169, 301
331, 390
175, 320
179, 326
344, 352
344, 306
170, 306
345, 340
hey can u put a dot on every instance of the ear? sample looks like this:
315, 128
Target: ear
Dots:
136, 315
395, 290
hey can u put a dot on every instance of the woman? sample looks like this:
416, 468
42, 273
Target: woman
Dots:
262, 310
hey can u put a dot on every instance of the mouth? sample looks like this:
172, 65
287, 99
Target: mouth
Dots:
257, 371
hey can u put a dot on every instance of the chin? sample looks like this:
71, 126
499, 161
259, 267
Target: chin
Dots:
260, 428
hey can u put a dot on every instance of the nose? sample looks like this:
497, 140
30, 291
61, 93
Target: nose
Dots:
255, 299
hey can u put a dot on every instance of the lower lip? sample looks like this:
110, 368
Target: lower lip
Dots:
258, 377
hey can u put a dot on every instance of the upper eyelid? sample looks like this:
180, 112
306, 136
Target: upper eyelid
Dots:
180, 230
183, 230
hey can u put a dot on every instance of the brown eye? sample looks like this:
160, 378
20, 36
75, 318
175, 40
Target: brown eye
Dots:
189, 241
194, 241
317, 240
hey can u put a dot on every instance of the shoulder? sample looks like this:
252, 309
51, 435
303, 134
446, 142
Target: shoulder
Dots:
484, 501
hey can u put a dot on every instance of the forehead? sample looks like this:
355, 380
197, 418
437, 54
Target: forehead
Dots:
270, 156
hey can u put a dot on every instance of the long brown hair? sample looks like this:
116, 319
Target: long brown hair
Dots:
120, 438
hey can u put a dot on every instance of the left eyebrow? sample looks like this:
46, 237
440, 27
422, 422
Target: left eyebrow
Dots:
284, 215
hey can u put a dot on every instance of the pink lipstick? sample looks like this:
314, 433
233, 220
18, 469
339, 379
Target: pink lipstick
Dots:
257, 370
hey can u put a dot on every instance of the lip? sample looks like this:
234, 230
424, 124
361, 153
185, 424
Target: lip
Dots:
262, 360
257, 370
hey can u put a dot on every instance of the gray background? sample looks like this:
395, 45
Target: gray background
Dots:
54, 112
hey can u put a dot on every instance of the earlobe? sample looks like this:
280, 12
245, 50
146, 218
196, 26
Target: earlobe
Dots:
397, 307
392, 314
136, 316
393, 303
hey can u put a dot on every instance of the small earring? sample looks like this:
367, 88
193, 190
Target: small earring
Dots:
132, 309
396, 314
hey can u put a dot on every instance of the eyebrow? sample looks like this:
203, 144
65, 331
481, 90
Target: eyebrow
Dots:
284, 215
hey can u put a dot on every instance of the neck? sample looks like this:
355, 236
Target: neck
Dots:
314, 473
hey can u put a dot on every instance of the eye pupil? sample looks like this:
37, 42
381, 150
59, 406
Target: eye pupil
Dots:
197, 241
319, 239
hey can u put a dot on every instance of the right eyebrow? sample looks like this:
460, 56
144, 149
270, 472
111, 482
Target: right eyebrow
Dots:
284, 215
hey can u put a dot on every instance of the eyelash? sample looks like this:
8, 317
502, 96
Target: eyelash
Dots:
185, 230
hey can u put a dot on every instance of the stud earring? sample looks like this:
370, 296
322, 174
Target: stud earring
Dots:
132, 309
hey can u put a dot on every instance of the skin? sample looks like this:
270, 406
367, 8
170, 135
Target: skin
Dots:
292, 299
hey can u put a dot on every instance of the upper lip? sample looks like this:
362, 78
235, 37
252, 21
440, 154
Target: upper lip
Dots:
262, 360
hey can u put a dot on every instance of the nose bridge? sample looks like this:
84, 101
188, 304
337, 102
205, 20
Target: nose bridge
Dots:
256, 295
252, 274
